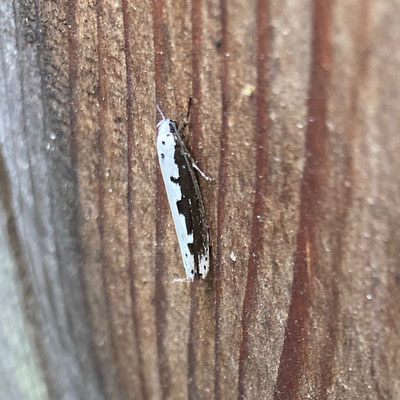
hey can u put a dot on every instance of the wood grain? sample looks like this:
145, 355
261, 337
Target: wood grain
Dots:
295, 117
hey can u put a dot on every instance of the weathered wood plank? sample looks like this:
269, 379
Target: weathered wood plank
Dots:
295, 116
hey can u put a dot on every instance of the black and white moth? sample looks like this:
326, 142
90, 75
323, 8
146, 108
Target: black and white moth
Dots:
184, 197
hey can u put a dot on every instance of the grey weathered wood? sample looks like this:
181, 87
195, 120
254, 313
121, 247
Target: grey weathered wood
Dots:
295, 116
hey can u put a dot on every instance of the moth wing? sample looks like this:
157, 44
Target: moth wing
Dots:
166, 148
185, 200
192, 207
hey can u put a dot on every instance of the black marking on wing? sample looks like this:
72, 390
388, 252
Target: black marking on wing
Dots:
191, 204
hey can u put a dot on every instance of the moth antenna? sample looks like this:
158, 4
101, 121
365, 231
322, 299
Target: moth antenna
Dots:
159, 110
190, 103
187, 118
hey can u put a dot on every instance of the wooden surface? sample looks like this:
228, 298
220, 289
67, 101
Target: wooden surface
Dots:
296, 117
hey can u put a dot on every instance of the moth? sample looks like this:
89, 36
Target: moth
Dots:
184, 197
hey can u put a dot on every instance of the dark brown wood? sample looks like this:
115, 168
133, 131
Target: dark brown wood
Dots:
295, 116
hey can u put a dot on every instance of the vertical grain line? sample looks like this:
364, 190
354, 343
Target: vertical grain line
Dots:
16, 237
295, 348
102, 116
261, 180
130, 195
222, 183
161, 70
71, 10
48, 285
345, 191
197, 42
193, 336
17, 28
43, 84
73, 119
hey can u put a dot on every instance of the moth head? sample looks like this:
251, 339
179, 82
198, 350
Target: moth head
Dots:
173, 126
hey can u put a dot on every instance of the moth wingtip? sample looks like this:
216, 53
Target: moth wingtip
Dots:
182, 280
